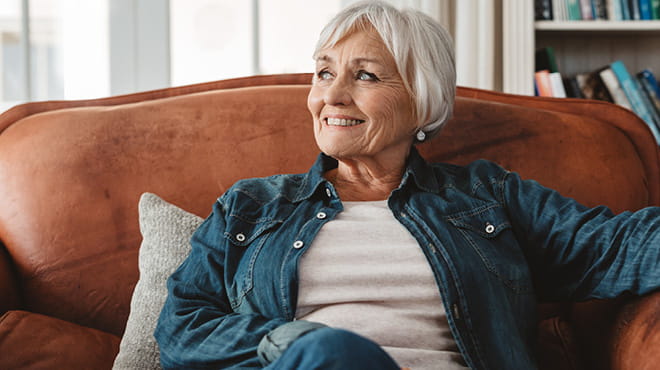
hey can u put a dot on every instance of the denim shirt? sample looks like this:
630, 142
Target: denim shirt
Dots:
497, 246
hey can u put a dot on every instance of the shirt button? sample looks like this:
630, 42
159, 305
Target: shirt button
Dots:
240, 237
321, 215
298, 244
327, 191
490, 228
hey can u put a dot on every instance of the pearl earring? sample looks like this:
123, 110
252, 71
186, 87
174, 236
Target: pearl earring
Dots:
421, 135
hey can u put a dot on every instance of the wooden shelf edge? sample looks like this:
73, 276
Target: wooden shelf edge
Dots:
633, 26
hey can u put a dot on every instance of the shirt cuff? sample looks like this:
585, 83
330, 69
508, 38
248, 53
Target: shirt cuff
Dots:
274, 343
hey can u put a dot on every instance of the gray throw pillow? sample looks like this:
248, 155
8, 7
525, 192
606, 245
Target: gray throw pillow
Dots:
166, 231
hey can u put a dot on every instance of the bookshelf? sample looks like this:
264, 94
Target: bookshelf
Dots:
580, 46
583, 46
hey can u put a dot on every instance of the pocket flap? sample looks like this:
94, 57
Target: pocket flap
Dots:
242, 231
488, 221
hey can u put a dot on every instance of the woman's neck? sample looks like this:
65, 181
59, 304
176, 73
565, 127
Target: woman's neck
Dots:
364, 180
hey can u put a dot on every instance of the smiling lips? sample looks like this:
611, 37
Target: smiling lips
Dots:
343, 122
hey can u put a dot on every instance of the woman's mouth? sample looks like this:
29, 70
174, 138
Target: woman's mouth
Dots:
343, 122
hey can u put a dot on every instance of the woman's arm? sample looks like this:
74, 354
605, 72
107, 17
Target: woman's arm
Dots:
197, 327
577, 253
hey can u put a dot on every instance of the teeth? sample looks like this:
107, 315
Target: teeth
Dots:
343, 122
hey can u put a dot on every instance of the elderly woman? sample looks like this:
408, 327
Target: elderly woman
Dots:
375, 259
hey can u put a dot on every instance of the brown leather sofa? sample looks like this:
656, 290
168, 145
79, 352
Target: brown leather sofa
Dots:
71, 174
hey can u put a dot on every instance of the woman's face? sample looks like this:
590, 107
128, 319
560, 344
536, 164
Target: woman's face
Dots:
358, 101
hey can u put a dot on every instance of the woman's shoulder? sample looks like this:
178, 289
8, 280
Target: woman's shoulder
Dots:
479, 170
265, 189
480, 179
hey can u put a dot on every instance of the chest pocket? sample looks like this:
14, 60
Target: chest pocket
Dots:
248, 235
488, 231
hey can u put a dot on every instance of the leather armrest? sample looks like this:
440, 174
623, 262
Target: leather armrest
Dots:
9, 291
33, 341
636, 340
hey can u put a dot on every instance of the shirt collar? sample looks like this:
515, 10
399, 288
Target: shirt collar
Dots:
417, 171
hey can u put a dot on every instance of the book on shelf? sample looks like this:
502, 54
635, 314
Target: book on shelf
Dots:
614, 10
559, 10
625, 10
543, 10
614, 87
650, 87
600, 9
586, 10
544, 58
550, 84
557, 85
638, 101
572, 88
582, 10
633, 6
645, 12
574, 11
543, 84
548, 80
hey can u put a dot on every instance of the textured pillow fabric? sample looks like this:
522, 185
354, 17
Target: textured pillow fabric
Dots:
166, 231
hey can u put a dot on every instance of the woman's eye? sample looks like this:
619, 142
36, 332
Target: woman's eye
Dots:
366, 76
324, 75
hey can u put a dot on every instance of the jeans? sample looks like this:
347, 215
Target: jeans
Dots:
333, 349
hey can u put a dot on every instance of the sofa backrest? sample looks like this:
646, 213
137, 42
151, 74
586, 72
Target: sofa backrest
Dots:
71, 173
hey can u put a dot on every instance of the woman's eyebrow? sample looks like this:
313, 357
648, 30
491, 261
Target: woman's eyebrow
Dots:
324, 58
363, 60
356, 61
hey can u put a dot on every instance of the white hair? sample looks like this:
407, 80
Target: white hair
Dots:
422, 49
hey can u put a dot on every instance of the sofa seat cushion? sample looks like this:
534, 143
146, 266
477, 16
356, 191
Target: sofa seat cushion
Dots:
34, 341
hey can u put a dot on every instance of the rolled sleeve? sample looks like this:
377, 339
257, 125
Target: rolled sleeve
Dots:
274, 343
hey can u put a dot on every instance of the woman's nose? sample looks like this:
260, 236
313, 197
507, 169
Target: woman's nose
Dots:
338, 93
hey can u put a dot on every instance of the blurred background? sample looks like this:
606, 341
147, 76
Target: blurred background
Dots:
86, 49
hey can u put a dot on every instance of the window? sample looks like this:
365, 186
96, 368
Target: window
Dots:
53, 49
12, 87
210, 40
216, 39
84, 49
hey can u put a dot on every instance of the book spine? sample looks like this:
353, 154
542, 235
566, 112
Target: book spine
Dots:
586, 10
645, 10
543, 10
634, 9
574, 12
646, 100
572, 88
625, 10
614, 10
648, 75
600, 9
563, 8
633, 94
557, 85
655, 9
613, 86
544, 58
543, 83
648, 89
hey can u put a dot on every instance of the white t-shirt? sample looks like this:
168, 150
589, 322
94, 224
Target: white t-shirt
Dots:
366, 273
